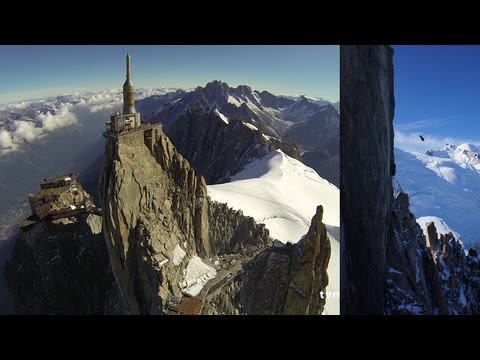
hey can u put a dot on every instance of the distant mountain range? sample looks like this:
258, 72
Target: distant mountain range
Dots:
276, 113
318, 101
313, 124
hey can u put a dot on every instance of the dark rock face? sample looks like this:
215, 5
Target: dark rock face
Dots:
62, 267
231, 232
286, 279
6, 249
217, 150
367, 163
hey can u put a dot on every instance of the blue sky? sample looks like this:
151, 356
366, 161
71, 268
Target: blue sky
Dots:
35, 71
437, 94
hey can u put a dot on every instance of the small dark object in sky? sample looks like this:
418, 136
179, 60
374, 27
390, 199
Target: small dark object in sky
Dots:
421, 137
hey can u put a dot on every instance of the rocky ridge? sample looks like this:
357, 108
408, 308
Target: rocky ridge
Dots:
283, 279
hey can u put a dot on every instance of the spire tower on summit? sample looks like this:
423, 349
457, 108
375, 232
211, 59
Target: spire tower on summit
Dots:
128, 92
129, 119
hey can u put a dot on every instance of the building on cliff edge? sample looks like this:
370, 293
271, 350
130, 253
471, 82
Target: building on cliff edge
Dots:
59, 197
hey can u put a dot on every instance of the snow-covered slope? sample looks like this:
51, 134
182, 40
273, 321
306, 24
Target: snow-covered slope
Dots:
445, 185
283, 194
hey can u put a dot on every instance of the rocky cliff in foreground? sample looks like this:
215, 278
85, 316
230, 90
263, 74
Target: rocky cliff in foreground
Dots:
367, 163
170, 245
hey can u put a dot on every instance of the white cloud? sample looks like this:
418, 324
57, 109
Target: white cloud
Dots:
105, 100
143, 93
420, 124
6, 142
409, 141
43, 124
39, 127
85, 106
63, 117
26, 131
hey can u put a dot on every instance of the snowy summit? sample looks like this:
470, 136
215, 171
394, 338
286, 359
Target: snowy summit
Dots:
444, 184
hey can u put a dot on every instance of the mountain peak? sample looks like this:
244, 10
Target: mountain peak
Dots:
462, 147
330, 107
243, 89
215, 84
469, 147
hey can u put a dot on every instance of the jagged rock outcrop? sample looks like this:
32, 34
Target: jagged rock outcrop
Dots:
367, 163
62, 267
284, 279
428, 274
218, 148
308, 270
158, 222
231, 232
459, 273
412, 281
